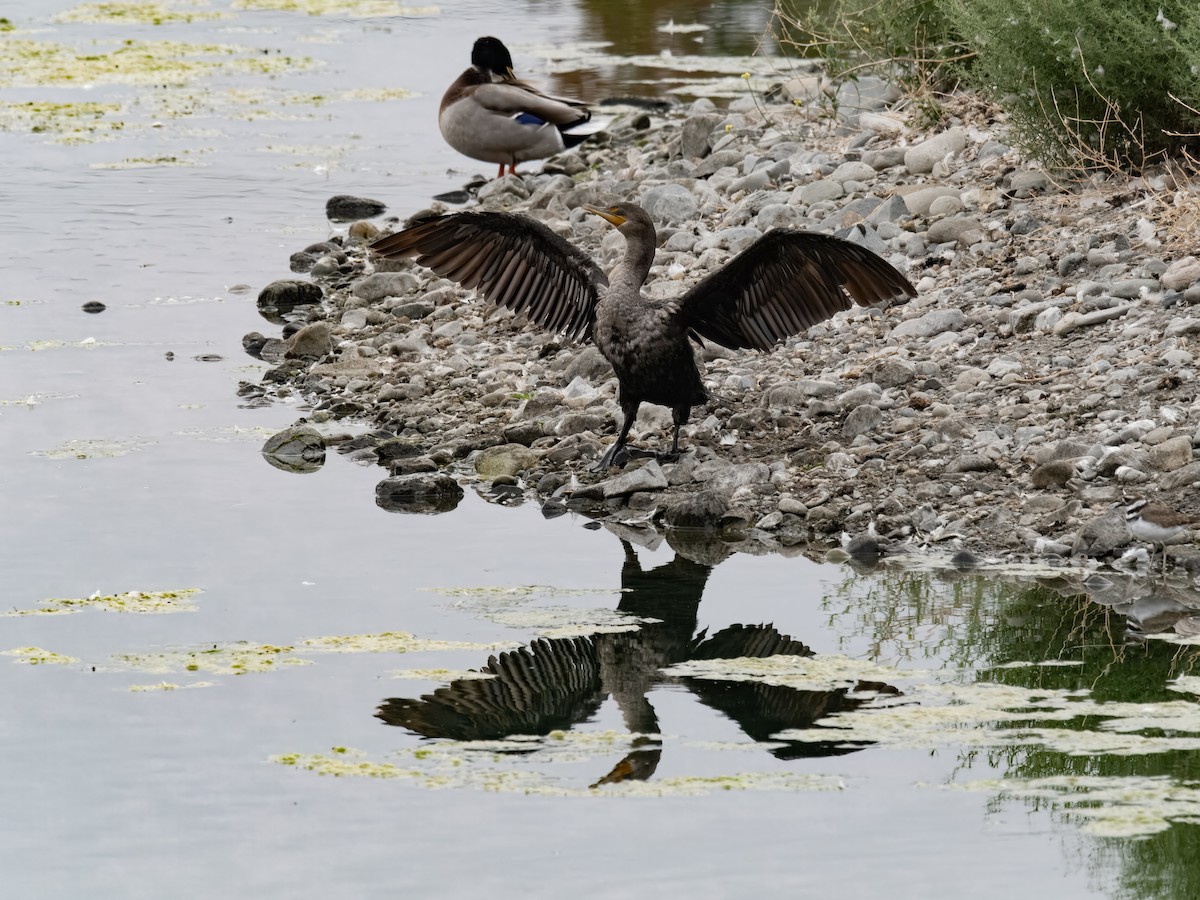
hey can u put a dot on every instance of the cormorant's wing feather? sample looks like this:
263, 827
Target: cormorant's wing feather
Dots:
783, 283
513, 260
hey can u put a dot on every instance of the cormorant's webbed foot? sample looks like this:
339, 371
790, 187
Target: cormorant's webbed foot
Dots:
617, 455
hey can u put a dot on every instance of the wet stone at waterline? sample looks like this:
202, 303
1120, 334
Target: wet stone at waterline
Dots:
423, 493
346, 208
298, 449
281, 297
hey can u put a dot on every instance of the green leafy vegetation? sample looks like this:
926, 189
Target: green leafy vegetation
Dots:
1086, 85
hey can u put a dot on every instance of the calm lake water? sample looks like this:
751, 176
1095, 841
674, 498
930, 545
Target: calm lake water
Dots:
965, 735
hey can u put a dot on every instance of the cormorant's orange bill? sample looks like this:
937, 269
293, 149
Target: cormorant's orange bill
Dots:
609, 214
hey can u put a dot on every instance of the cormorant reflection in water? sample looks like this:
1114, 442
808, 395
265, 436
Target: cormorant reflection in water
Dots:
554, 684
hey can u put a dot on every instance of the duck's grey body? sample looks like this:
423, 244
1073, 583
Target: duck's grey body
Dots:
490, 115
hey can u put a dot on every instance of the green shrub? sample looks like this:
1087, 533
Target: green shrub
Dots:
1086, 83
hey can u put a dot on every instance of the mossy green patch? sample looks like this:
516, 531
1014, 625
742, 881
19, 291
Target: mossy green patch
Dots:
86, 448
166, 686
31, 63
148, 162
352, 8
36, 656
137, 602
442, 675
240, 658
131, 12
65, 123
390, 642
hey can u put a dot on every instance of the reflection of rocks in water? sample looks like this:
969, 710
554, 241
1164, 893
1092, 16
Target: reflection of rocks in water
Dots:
299, 449
425, 493
1149, 605
279, 298
503, 491
557, 683
552, 684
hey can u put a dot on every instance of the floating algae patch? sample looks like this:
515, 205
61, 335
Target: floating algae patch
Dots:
85, 344
240, 658
513, 607
30, 63
352, 8
391, 642
65, 123
166, 686
36, 656
137, 602
135, 13
809, 673
1117, 806
147, 162
491, 766
86, 448
33, 400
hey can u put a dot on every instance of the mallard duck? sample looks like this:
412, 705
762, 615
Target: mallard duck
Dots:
490, 115
780, 285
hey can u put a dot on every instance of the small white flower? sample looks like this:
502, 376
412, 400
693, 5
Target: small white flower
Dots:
1167, 24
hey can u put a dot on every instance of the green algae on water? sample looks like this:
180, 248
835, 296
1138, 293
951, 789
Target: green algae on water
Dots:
239, 658
36, 656
135, 602
131, 12
352, 8
30, 63
85, 448
391, 642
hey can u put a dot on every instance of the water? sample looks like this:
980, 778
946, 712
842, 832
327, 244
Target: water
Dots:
130, 465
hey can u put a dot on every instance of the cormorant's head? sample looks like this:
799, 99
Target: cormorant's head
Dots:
626, 216
491, 56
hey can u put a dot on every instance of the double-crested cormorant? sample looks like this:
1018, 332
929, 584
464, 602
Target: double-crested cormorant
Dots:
783, 283
490, 115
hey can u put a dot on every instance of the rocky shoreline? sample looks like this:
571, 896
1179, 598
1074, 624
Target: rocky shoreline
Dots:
1044, 372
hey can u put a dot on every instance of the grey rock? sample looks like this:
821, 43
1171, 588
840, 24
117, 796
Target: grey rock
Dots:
919, 160
730, 478
1181, 274
971, 462
1028, 182
884, 158
505, 460
819, 191
422, 492
379, 285
862, 419
286, 294
1181, 477
932, 323
589, 364
670, 203
694, 138
702, 509
347, 208
1170, 454
953, 228
894, 372
310, 342
648, 477
719, 160
1102, 535
920, 201
299, 449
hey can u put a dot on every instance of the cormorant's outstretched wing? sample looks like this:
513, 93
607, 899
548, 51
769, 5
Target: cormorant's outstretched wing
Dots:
513, 260
783, 283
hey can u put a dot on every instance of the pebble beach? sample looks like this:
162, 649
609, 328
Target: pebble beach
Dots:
1042, 376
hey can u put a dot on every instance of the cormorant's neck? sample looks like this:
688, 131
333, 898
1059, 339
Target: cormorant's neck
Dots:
634, 266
